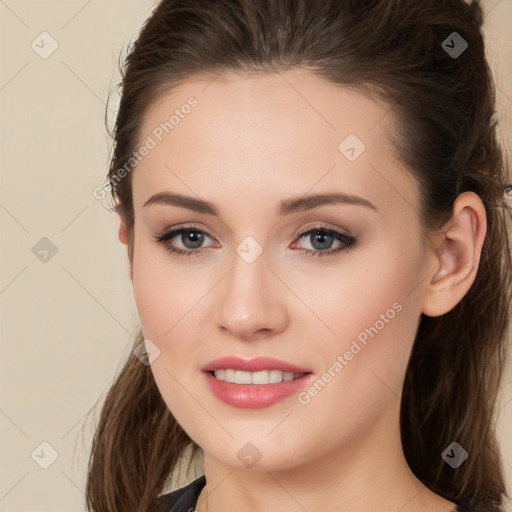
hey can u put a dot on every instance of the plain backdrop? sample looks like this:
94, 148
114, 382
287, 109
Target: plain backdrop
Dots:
67, 310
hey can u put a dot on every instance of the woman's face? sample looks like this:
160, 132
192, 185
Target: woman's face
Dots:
255, 148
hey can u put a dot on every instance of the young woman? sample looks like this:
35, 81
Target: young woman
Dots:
316, 210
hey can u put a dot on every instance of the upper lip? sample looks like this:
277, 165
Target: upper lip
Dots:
252, 365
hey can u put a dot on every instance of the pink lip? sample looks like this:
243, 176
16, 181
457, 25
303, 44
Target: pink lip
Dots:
254, 396
252, 365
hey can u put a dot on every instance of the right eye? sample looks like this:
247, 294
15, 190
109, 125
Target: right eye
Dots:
190, 237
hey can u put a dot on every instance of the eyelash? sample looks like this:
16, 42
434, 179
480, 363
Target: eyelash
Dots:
348, 241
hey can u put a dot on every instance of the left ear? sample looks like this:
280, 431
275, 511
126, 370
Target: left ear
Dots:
456, 253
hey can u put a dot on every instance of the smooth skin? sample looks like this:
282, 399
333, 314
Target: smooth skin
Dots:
251, 142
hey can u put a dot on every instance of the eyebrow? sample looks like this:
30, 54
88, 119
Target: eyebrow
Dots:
285, 207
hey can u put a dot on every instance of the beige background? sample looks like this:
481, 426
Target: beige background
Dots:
66, 323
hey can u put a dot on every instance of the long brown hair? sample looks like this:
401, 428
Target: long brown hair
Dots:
446, 137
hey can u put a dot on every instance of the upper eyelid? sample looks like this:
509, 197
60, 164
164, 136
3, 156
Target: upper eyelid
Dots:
322, 227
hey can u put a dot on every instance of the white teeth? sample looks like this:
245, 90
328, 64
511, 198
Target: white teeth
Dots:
261, 377
242, 377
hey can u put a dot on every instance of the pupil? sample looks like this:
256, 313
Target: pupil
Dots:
321, 237
195, 238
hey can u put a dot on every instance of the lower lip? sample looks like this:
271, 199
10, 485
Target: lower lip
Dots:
254, 396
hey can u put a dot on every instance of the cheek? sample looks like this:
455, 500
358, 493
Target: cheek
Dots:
163, 299
374, 318
150, 298
162, 289
384, 314
367, 310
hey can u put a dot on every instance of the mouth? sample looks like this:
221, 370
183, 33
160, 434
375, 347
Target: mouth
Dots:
254, 390
263, 377
256, 365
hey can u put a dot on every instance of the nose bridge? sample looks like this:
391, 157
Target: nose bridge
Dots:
248, 277
249, 299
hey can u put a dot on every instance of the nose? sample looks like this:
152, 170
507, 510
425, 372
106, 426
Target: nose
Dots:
252, 302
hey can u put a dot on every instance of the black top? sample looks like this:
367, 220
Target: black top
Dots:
185, 498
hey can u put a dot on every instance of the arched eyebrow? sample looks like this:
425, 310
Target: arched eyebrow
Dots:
285, 207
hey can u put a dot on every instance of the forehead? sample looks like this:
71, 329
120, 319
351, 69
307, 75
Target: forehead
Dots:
270, 101
282, 131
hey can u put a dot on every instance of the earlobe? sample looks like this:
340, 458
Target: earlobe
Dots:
123, 232
457, 256
124, 239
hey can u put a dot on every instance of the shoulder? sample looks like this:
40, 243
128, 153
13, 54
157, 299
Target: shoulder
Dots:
183, 499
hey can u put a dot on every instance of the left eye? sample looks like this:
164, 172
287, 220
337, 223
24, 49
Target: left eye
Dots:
192, 238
